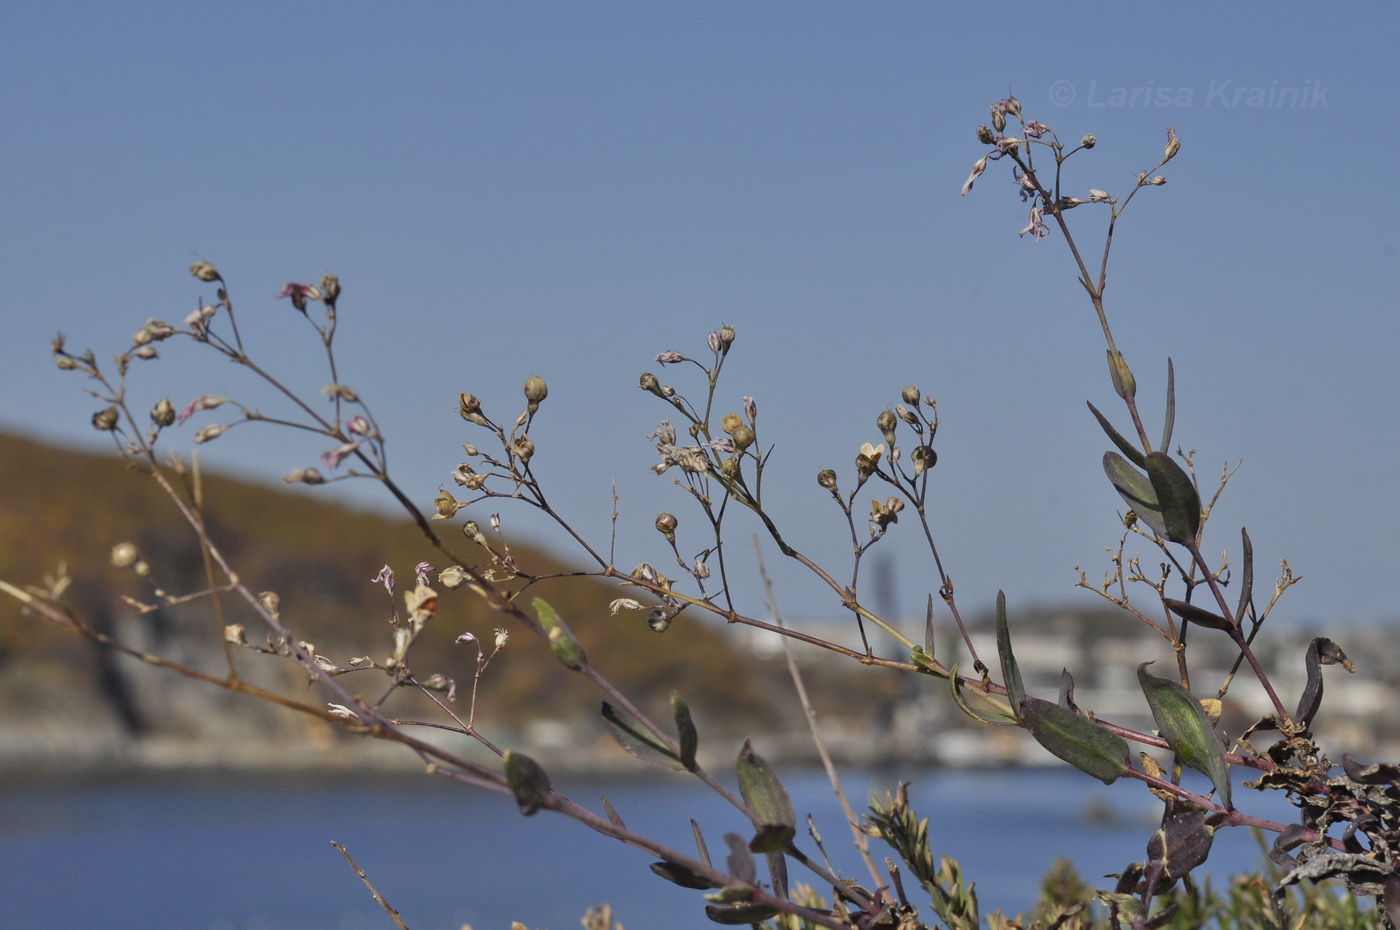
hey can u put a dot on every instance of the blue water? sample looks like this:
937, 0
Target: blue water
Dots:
255, 854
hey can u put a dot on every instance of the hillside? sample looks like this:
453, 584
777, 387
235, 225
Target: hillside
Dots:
61, 507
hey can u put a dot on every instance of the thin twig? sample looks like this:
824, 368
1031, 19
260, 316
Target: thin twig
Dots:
860, 839
379, 898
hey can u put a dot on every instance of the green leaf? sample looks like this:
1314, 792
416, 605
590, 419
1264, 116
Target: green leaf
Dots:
701, 849
1136, 490
633, 737
1132, 452
768, 799
528, 782
761, 789
735, 915
680, 875
1183, 724
1247, 579
613, 816
928, 628
1169, 420
1176, 497
1010, 673
566, 648
997, 720
689, 737
1197, 615
1075, 739
1124, 384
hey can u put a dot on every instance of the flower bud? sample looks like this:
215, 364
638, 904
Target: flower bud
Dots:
522, 447
885, 422
923, 458
998, 118
1089, 141
731, 422
472, 531
1124, 384
124, 555
985, 135
1098, 196
660, 618
726, 336
1173, 145
470, 409
666, 526
205, 271
209, 433
65, 363
827, 479
648, 382
1158, 181
330, 287
535, 391
146, 352
910, 395
454, 576
106, 420
742, 437
163, 413
750, 408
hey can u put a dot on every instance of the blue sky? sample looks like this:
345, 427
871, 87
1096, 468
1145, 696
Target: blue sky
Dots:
568, 189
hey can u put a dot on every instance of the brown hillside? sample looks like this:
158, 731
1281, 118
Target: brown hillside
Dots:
59, 506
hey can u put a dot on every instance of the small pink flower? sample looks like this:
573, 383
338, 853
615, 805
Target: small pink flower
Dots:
300, 294
670, 357
203, 402
386, 578
422, 570
333, 457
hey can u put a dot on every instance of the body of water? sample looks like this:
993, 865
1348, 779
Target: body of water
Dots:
255, 853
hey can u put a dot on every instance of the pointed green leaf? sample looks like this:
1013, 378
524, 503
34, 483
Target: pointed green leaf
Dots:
613, 817
680, 875
1183, 724
565, 646
1133, 453
996, 720
528, 782
1075, 739
701, 849
762, 791
737, 915
635, 738
1124, 384
688, 736
1010, 673
1247, 576
1176, 497
928, 628
1136, 490
1066, 690
1197, 615
1170, 419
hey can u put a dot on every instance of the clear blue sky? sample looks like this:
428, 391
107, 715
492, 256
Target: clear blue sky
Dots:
568, 189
